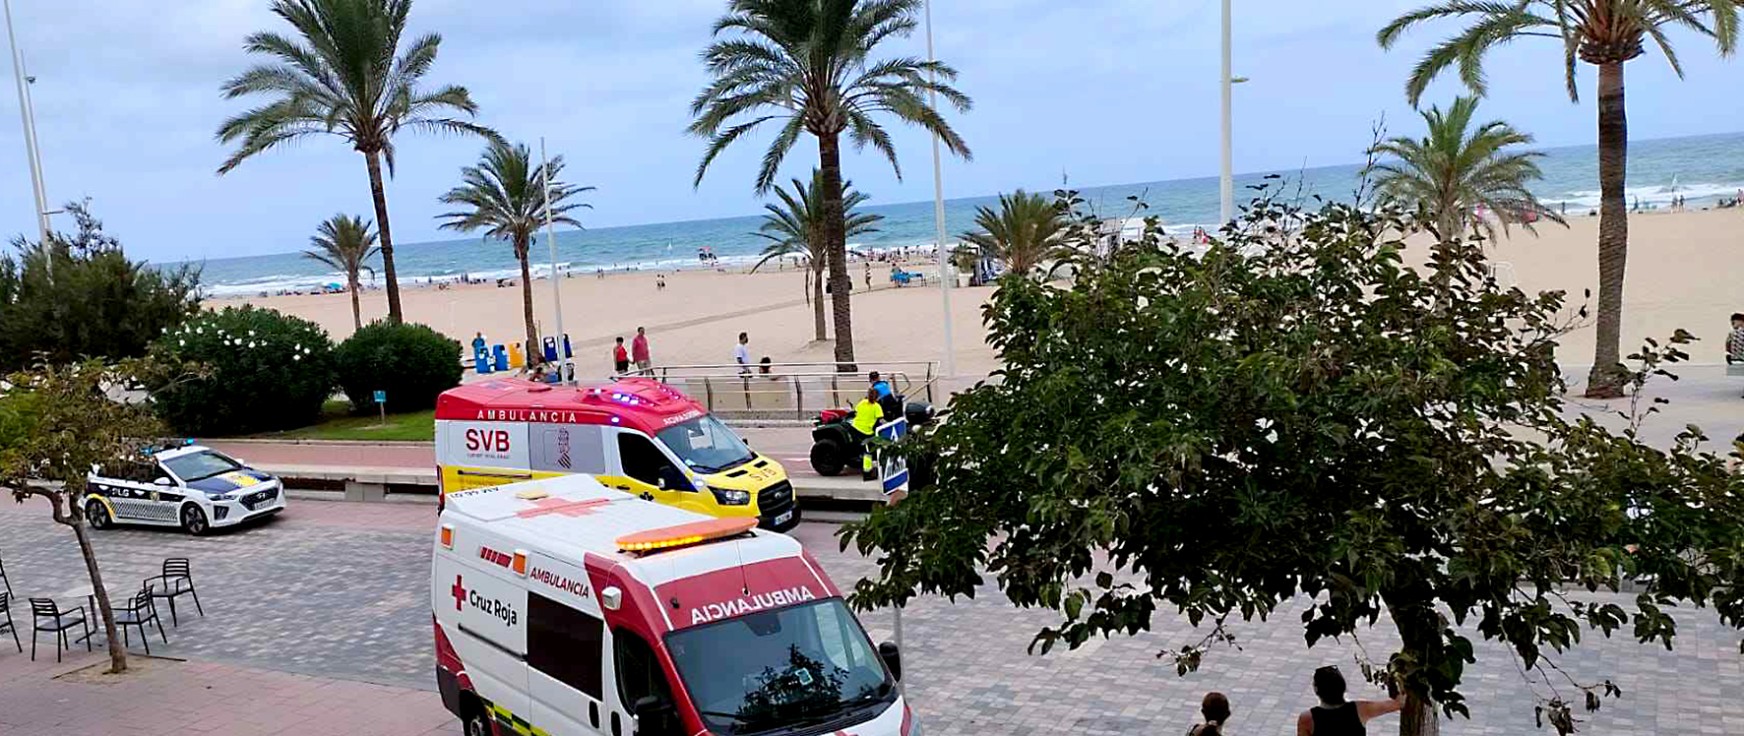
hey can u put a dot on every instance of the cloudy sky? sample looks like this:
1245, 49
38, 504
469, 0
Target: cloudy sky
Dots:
1107, 91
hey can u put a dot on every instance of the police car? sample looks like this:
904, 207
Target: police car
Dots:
190, 486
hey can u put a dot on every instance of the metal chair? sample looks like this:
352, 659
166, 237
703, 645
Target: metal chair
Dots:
60, 622
139, 611
3, 580
7, 625
177, 580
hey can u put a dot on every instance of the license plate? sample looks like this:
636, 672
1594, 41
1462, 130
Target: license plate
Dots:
785, 517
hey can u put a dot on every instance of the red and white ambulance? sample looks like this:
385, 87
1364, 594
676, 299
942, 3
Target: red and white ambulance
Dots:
564, 607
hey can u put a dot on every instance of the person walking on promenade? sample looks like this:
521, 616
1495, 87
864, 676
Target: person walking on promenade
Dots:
1215, 708
639, 350
1335, 716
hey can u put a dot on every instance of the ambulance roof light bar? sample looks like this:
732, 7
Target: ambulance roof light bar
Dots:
685, 535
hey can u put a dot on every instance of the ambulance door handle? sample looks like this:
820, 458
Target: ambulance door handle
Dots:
622, 488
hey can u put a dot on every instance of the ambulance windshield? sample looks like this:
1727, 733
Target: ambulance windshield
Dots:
794, 668
705, 445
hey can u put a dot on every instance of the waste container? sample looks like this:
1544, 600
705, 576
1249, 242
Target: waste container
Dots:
517, 357
550, 349
501, 355
568, 354
481, 362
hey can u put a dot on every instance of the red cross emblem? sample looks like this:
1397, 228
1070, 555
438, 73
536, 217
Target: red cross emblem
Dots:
563, 507
459, 593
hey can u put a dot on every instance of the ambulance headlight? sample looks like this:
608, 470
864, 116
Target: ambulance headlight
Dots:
728, 497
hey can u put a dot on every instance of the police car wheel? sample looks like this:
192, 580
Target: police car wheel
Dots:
98, 515
194, 520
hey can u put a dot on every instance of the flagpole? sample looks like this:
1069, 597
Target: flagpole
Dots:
563, 368
947, 274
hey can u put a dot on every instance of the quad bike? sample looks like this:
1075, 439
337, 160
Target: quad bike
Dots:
836, 446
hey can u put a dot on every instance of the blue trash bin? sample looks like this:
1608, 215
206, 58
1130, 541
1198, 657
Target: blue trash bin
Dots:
481, 363
550, 349
567, 353
502, 357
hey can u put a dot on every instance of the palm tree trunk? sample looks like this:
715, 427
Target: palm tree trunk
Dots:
356, 311
1606, 379
527, 301
387, 238
836, 249
817, 302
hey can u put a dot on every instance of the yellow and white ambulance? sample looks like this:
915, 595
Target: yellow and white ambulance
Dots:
636, 435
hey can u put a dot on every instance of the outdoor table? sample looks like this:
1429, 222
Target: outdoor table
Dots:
89, 593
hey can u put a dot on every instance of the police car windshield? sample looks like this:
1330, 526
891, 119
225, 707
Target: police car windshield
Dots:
200, 465
705, 445
791, 668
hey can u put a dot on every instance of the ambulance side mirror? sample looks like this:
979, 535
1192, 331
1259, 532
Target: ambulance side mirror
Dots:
162, 481
892, 659
651, 716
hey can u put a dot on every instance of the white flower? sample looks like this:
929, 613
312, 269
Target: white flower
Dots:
296, 357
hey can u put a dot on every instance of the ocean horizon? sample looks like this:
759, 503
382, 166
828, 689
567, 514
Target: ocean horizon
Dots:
1702, 169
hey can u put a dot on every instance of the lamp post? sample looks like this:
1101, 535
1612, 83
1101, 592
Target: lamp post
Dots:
947, 274
563, 369
32, 157
1226, 182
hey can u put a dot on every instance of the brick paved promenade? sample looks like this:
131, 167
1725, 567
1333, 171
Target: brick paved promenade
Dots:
319, 622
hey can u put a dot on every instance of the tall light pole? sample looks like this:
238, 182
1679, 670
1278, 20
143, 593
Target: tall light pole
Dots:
1226, 183
947, 274
551, 239
32, 158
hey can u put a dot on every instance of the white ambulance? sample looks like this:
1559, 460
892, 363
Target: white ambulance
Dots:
564, 607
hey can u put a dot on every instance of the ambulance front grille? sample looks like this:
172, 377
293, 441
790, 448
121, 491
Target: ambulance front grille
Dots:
775, 500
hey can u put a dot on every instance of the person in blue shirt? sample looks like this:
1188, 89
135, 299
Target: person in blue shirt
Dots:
478, 343
886, 396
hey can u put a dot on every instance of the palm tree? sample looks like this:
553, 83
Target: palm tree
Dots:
505, 196
810, 65
1024, 232
1456, 169
345, 243
343, 78
1606, 34
797, 223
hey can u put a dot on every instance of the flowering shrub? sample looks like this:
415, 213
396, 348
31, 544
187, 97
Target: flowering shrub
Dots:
260, 370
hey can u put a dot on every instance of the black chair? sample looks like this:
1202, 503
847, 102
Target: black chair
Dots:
59, 623
139, 611
176, 581
7, 625
3, 580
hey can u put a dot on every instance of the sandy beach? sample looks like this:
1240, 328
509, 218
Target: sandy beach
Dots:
1682, 273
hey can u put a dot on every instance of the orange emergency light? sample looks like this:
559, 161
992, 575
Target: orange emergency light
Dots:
684, 535
448, 536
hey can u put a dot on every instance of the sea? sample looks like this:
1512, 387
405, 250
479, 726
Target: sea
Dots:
1701, 169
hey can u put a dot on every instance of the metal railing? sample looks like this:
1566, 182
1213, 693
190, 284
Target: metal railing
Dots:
790, 390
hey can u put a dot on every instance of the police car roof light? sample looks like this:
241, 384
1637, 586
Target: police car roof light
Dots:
684, 535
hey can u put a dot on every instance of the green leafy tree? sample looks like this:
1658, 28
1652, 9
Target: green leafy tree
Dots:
79, 296
344, 75
1606, 34
56, 421
346, 243
261, 370
1455, 169
797, 222
1022, 233
811, 65
413, 362
1296, 415
505, 196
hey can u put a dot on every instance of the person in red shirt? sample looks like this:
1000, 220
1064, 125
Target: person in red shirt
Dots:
620, 357
639, 350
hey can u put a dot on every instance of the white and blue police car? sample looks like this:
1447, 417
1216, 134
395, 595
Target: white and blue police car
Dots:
188, 486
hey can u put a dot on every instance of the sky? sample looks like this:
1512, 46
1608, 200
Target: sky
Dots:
1099, 91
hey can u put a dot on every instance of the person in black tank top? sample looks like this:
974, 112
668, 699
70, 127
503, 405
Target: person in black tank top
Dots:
1335, 716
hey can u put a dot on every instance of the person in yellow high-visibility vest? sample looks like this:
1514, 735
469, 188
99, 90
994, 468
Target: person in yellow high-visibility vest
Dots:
867, 416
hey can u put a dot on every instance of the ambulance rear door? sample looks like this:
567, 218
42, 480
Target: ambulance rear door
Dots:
483, 606
567, 672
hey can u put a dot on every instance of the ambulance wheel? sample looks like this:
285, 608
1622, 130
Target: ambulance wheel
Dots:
826, 457
98, 515
194, 520
477, 722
